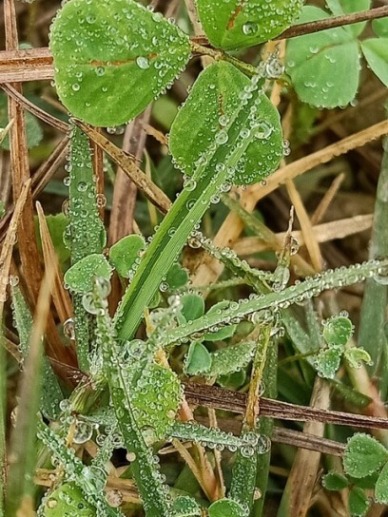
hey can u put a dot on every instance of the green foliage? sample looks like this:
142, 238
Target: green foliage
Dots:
184, 506
381, 490
119, 48
123, 253
80, 278
358, 502
324, 66
334, 481
156, 398
224, 507
363, 456
33, 129
337, 331
65, 499
235, 24
375, 51
198, 360
206, 115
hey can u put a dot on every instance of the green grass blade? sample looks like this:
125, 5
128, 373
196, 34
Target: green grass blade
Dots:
373, 311
153, 491
22, 450
306, 290
85, 233
215, 170
52, 393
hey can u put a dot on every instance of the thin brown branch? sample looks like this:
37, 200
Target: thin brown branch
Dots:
336, 21
34, 64
218, 398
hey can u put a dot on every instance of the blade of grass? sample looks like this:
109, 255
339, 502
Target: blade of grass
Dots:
22, 454
373, 309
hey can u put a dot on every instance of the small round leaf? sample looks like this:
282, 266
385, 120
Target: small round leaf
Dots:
375, 51
65, 500
81, 277
334, 481
198, 359
124, 253
337, 331
363, 456
358, 502
226, 507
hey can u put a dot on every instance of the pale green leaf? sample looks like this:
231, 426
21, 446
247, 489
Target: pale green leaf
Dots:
381, 489
123, 253
334, 481
156, 398
375, 51
66, 499
231, 359
34, 132
341, 7
380, 27
193, 306
356, 357
184, 506
113, 58
226, 507
224, 332
81, 277
358, 502
210, 106
363, 455
198, 359
328, 361
324, 66
236, 24
337, 330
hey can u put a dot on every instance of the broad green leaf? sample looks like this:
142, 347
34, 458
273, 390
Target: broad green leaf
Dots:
380, 27
112, 59
156, 398
375, 51
177, 277
341, 7
184, 506
123, 254
334, 481
231, 359
363, 455
381, 490
356, 357
226, 507
328, 361
337, 331
198, 359
224, 332
237, 24
201, 122
33, 130
81, 277
325, 66
358, 502
193, 306
66, 499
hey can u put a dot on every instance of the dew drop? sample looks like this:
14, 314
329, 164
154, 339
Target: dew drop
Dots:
142, 62
250, 28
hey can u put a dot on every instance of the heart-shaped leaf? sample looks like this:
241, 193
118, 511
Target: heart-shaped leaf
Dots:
113, 58
325, 66
238, 24
226, 507
200, 122
338, 330
375, 51
124, 253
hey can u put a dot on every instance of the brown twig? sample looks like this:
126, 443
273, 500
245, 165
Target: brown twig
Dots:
331, 23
